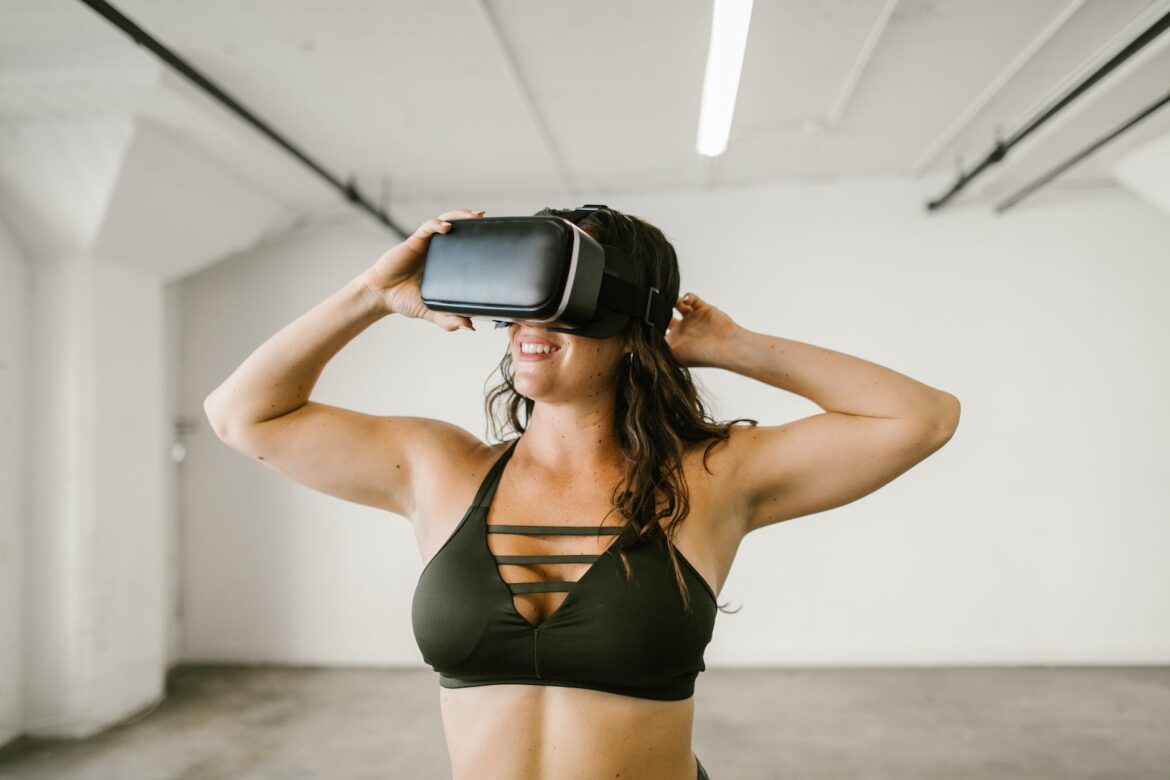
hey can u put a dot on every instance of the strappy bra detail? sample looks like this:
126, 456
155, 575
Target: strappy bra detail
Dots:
578, 530
550, 586
633, 639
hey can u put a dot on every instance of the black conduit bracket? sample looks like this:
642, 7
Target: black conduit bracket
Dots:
1001, 148
349, 189
1076, 158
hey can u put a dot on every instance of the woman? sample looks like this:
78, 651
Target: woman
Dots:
582, 667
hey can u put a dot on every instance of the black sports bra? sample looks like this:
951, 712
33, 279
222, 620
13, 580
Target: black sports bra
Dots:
634, 640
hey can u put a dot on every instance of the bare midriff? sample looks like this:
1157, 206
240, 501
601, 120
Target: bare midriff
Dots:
548, 732
544, 732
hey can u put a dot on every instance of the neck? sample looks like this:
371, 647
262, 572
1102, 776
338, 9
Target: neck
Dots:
575, 439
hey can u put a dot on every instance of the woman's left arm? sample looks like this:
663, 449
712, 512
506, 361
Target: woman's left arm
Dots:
877, 423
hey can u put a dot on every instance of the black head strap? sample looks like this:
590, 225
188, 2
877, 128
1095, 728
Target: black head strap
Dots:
581, 212
649, 306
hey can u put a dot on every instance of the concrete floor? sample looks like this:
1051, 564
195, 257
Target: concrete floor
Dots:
818, 724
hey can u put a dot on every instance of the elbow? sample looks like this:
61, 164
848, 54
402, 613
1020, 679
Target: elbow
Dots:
215, 418
946, 420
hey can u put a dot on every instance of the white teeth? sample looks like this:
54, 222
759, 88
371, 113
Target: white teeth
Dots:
528, 348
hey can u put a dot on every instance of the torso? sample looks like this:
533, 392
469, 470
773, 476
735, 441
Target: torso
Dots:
541, 732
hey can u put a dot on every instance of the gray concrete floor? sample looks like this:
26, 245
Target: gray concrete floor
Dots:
814, 724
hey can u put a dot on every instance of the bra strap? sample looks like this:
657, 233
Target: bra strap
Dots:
488, 488
555, 530
504, 560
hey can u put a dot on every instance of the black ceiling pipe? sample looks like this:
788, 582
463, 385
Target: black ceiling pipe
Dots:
1001, 148
1070, 162
141, 37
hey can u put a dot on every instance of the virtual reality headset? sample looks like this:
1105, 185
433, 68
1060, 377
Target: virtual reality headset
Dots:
543, 270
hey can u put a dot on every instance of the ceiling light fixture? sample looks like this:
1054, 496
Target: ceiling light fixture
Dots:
730, 20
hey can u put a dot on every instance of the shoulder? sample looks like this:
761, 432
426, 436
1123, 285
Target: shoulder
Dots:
446, 452
452, 463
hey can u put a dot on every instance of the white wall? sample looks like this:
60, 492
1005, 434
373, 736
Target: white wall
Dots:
1038, 534
270, 570
12, 432
92, 524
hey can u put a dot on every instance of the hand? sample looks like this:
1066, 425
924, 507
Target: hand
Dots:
397, 275
699, 339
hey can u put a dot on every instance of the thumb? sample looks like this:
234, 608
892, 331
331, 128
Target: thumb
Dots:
450, 322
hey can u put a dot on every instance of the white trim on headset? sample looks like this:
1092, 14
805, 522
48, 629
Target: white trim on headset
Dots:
572, 272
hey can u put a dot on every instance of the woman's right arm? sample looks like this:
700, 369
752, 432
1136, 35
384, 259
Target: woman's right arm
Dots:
263, 409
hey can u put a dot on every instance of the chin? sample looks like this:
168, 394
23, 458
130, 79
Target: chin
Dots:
545, 386
530, 386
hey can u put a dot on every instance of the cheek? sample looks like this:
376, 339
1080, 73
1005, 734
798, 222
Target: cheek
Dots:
589, 361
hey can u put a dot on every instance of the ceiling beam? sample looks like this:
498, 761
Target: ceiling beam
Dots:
1068, 103
935, 148
348, 189
530, 103
860, 64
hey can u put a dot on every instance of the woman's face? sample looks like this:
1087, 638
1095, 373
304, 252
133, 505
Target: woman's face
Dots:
577, 367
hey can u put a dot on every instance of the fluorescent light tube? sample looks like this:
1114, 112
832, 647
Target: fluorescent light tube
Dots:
729, 29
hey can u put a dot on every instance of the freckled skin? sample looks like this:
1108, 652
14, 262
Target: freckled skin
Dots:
583, 368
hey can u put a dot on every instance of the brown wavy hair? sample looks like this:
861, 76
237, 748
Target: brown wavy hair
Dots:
658, 411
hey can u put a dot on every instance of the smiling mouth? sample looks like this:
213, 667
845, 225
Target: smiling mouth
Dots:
549, 351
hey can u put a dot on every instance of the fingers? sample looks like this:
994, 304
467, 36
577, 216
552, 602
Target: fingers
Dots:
461, 214
439, 224
449, 322
436, 225
417, 242
688, 303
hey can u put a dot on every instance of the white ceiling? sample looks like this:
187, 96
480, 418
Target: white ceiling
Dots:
470, 97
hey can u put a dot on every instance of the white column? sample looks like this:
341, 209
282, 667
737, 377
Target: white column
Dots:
97, 589
12, 478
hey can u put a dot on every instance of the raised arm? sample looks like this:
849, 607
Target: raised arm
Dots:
877, 423
263, 409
